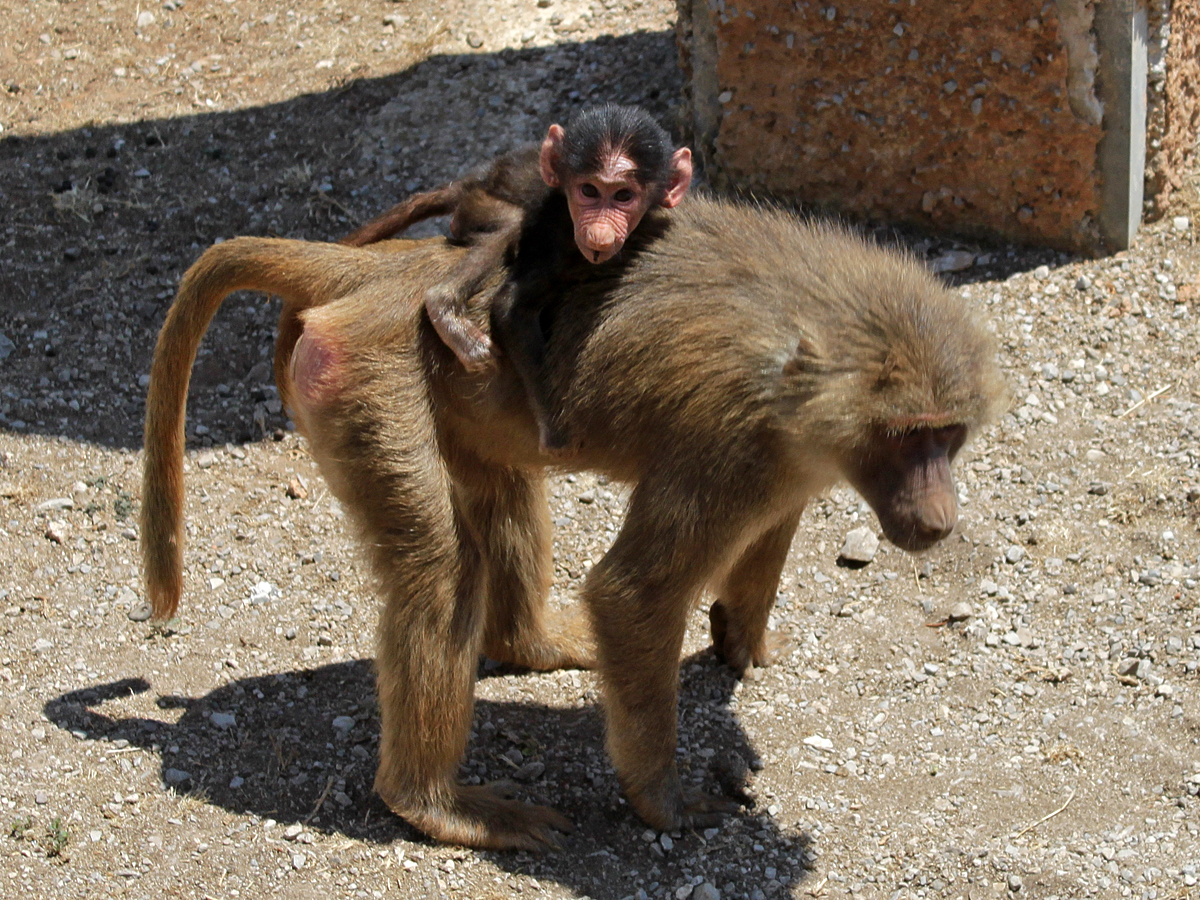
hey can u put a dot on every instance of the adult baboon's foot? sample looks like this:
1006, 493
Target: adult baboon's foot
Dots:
701, 810
487, 818
564, 641
569, 640
668, 807
736, 647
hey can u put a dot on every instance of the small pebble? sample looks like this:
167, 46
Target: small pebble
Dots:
531, 771
953, 261
860, 546
960, 611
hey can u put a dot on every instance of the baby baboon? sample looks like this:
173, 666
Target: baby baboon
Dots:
593, 180
728, 393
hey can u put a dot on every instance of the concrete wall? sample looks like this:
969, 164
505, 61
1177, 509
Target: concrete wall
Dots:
1024, 120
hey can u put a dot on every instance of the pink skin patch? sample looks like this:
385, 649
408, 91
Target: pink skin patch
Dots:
316, 366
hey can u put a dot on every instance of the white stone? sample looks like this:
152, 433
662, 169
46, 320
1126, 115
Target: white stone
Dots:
860, 546
953, 261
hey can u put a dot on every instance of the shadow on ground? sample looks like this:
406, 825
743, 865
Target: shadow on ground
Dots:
98, 224
300, 747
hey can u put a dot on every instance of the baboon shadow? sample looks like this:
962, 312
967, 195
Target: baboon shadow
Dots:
301, 747
103, 220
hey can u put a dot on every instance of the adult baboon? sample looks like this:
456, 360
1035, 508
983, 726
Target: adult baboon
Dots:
737, 363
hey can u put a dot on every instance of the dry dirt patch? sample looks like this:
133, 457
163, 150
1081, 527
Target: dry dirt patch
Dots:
1045, 745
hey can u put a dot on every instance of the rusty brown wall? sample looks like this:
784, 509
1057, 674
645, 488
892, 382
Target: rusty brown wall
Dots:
972, 117
1174, 110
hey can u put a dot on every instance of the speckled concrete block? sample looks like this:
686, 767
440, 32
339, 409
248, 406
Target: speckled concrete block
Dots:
1023, 120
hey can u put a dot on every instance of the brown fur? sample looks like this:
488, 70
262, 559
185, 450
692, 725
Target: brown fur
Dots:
741, 362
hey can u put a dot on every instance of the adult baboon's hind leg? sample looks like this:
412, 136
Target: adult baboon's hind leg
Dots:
510, 516
377, 447
738, 617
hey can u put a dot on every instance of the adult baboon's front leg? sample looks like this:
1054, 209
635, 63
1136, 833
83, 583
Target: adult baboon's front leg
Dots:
639, 596
738, 617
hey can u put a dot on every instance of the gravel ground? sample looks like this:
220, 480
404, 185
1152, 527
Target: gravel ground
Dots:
1014, 713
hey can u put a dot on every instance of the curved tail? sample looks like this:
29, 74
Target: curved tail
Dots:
305, 275
415, 209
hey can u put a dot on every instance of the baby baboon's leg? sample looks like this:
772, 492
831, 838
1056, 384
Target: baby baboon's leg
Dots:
446, 302
739, 615
510, 515
639, 596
